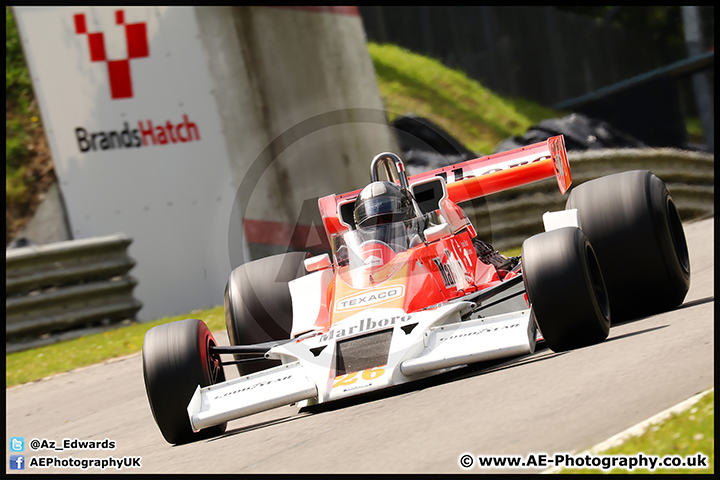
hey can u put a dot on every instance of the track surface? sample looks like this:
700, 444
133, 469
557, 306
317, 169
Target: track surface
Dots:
541, 403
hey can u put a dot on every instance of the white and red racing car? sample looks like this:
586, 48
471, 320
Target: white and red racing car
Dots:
409, 292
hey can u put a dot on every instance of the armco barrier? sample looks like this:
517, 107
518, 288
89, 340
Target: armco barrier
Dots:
514, 215
66, 285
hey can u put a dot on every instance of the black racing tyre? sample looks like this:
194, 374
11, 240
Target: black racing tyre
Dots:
565, 289
176, 360
258, 305
636, 231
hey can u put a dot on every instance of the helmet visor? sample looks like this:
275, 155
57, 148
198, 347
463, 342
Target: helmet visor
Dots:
383, 210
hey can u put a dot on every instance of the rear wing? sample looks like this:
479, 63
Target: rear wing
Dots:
473, 178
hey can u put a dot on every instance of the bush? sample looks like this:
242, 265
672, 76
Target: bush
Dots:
18, 87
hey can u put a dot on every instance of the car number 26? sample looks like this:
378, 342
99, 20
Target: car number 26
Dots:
350, 378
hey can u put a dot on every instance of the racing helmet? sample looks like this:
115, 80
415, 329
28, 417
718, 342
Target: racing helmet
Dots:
381, 203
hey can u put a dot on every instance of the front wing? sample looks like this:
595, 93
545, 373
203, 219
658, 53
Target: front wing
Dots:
373, 349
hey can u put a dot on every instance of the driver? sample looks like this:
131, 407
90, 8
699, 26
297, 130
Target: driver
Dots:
383, 212
383, 204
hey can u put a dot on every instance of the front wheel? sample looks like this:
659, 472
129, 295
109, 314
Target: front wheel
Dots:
176, 359
565, 288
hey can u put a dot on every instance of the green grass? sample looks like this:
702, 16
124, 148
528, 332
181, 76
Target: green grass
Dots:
30, 365
683, 434
19, 111
476, 116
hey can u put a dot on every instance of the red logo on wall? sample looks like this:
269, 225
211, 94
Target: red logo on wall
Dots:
118, 70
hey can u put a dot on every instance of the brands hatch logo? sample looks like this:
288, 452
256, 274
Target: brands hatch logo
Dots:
148, 132
118, 70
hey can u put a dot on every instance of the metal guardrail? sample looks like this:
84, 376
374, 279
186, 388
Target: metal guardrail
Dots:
516, 214
66, 285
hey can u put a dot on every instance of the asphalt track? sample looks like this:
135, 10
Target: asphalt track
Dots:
542, 403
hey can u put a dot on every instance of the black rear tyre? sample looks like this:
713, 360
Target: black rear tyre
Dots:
636, 231
176, 359
566, 289
258, 305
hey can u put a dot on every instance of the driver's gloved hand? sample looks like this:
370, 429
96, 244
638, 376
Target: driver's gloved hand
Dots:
489, 256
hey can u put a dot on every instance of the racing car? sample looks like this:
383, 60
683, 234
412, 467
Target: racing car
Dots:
406, 293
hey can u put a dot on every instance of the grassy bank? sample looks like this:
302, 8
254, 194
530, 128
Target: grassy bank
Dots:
476, 116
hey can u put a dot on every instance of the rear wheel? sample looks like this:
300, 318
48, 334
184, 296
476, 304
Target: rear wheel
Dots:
176, 359
566, 289
258, 305
636, 231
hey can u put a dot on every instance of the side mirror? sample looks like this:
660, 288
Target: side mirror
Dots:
435, 233
318, 262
